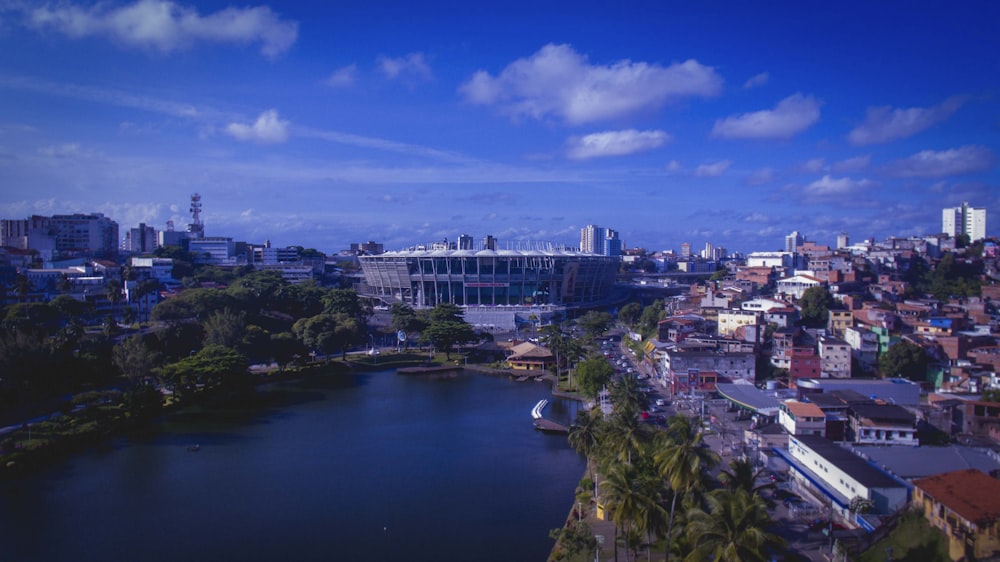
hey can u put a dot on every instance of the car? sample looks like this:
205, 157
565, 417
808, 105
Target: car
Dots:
661, 402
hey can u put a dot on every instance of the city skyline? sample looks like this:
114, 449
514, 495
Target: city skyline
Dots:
406, 124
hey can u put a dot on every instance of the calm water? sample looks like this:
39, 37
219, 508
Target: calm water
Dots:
366, 467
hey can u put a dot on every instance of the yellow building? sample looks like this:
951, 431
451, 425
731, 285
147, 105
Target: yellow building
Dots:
530, 357
965, 506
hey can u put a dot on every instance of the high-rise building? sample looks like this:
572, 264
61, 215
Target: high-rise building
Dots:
598, 240
843, 240
489, 242
140, 240
62, 236
685, 250
793, 241
591, 239
966, 220
464, 242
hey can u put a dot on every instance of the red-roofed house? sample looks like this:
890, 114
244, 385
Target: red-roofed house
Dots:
965, 505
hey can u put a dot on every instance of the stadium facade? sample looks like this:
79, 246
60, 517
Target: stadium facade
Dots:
547, 277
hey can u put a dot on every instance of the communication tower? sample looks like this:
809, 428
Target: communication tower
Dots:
196, 229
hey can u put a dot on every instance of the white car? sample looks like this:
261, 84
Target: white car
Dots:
660, 402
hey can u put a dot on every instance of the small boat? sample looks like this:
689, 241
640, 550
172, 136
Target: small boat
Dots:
194, 448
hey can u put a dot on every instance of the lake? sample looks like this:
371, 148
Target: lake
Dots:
349, 467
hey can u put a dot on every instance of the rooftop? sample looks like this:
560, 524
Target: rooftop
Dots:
970, 493
883, 412
803, 409
851, 464
920, 462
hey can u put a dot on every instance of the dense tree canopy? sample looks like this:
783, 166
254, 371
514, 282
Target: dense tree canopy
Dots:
650, 319
595, 323
592, 375
815, 306
447, 327
629, 313
904, 359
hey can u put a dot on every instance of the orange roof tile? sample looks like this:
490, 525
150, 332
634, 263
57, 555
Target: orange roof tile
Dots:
970, 493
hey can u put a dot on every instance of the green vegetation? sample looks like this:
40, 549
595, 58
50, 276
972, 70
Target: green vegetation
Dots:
815, 304
447, 328
655, 486
904, 359
913, 539
950, 277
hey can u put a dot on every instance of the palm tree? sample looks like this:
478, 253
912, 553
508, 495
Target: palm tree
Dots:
682, 460
585, 436
627, 499
742, 476
625, 394
113, 291
732, 529
625, 435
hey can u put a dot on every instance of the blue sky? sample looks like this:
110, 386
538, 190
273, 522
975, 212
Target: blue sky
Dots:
408, 122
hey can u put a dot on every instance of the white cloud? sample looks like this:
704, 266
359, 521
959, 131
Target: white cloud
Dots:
791, 116
674, 166
712, 170
268, 128
813, 166
411, 66
343, 77
855, 164
883, 124
829, 186
760, 177
935, 164
757, 80
614, 143
166, 26
558, 82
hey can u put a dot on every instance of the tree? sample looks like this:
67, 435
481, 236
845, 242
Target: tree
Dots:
585, 435
741, 476
113, 292
344, 301
136, 362
405, 320
859, 504
225, 328
629, 313
625, 496
575, 538
447, 328
328, 333
650, 318
595, 323
283, 348
991, 395
214, 367
904, 359
683, 461
815, 306
733, 528
592, 375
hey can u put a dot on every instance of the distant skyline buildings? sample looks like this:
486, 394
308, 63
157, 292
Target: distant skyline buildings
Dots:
964, 219
595, 239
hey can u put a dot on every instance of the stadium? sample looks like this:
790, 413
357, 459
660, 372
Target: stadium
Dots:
548, 278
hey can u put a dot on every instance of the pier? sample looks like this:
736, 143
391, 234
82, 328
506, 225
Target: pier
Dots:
546, 425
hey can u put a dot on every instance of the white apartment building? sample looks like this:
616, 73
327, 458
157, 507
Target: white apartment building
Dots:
964, 220
864, 346
801, 418
796, 285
